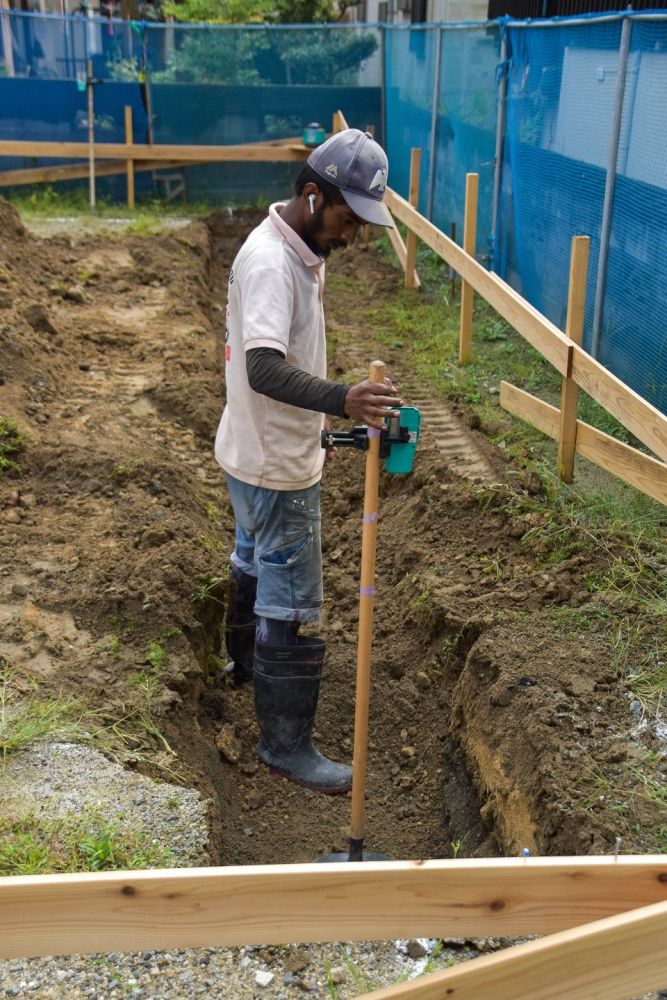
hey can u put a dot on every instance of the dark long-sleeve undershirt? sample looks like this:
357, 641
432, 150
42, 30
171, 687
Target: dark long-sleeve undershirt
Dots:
270, 374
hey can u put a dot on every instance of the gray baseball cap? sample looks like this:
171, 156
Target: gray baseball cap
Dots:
354, 162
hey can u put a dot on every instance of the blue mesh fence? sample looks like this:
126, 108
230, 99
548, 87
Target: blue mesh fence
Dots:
633, 327
465, 119
203, 84
466, 128
561, 95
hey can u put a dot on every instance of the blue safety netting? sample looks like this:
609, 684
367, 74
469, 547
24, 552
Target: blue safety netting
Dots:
633, 327
561, 92
464, 124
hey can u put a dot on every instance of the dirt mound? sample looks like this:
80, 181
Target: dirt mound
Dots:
493, 720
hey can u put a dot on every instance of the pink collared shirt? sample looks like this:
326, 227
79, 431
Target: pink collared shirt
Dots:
275, 301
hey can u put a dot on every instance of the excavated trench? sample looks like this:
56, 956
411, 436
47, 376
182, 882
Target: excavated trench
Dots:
421, 801
482, 693
491, 712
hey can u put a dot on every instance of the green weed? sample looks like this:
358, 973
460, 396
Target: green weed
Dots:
27, 721
208, 588
114, 645
156, 655
34, 846
12, 442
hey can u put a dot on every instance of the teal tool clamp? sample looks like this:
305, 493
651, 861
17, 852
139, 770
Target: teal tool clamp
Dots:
398, 442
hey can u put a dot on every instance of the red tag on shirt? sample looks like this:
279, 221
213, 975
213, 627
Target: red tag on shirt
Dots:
228, 352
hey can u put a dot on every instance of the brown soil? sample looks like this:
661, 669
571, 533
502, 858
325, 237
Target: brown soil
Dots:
494, 724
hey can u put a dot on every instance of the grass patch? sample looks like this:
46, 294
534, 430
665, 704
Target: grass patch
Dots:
43, 202
11, 444
86, 843
25, 723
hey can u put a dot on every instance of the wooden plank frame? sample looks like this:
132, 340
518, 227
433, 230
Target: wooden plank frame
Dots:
642, 471
645, 421
537, 329
270, 904
247, 152
72, 171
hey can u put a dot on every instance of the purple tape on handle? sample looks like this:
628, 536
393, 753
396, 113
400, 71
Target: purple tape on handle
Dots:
373, 432
367, 591
370, 518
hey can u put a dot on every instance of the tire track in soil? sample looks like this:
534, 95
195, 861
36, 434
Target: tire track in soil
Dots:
456, 442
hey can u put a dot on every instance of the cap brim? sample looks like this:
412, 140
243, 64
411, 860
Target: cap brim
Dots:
368, 209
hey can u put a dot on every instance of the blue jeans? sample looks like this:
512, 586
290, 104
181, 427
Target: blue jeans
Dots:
278, 540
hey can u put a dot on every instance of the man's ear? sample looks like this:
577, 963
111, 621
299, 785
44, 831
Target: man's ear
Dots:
312, 196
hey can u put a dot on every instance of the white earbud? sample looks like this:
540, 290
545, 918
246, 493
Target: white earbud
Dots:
311, 202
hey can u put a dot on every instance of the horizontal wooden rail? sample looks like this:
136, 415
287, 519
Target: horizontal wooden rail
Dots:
72, 171
641, 471
645, 421
615, 958
181, 908
248, 152
537, 329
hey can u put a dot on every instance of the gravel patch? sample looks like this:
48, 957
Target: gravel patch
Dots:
54, 780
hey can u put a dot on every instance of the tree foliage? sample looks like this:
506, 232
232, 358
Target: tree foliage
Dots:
256, 11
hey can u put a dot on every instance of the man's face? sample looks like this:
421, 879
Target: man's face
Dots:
330, 228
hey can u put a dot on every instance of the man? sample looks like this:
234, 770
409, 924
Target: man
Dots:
268, 442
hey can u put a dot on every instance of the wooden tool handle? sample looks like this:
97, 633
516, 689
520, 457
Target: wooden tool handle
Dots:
366, 605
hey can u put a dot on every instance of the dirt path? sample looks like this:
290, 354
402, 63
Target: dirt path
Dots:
496, 723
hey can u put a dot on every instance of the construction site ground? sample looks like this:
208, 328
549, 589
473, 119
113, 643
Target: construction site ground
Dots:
499, 718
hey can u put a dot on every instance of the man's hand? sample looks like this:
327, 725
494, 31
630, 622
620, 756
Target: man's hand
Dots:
368, 401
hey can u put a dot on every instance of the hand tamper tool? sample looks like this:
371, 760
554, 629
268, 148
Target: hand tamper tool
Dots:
396, 445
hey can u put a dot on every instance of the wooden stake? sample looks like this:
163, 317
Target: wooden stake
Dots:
91, 135
366, 230
129, 164
413, 198
366, 605
452, 272
469, 246
574, 329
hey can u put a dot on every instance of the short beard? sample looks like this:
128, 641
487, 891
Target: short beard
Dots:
313, 226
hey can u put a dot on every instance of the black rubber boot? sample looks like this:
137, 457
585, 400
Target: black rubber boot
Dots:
287, 686
240, 626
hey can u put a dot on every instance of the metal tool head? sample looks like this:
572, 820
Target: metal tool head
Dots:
342, 856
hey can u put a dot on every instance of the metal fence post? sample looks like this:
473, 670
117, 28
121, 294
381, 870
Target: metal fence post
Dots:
7, 42
383, 90
434, 124
500, 143
605, 226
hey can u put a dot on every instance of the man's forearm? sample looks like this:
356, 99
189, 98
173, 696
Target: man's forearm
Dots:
270, 374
